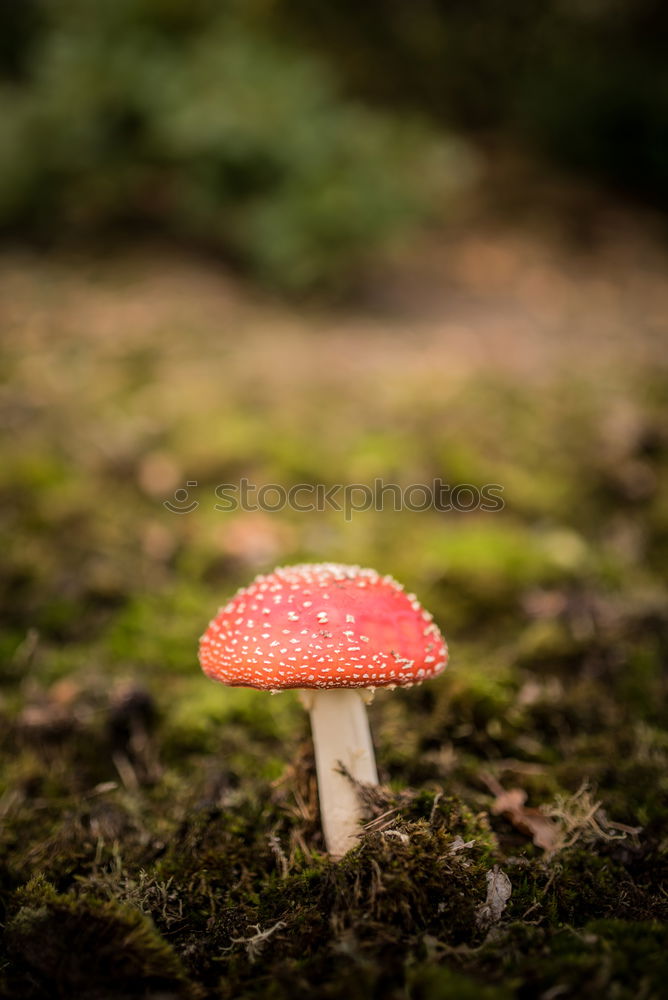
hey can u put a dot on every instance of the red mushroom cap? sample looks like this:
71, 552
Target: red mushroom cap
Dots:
322, 626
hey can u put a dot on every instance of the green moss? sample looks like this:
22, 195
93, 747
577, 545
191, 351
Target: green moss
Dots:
189, 827
159, 631
433, 982
610, 958
83, 947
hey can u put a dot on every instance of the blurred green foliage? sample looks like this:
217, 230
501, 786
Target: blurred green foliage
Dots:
194, 118
286, 136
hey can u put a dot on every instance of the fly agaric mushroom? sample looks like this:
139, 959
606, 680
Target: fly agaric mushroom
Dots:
336, 632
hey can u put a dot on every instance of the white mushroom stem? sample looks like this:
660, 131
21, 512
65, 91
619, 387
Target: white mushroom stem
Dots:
341, 736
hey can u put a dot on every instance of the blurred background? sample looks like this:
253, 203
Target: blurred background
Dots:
314, 243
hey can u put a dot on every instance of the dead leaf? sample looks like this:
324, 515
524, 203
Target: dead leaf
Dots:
459, 844
543, 831
499, 889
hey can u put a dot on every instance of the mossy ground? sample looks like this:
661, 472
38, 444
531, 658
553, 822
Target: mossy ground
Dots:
159, 834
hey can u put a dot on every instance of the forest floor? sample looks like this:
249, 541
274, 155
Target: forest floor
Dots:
159, 834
